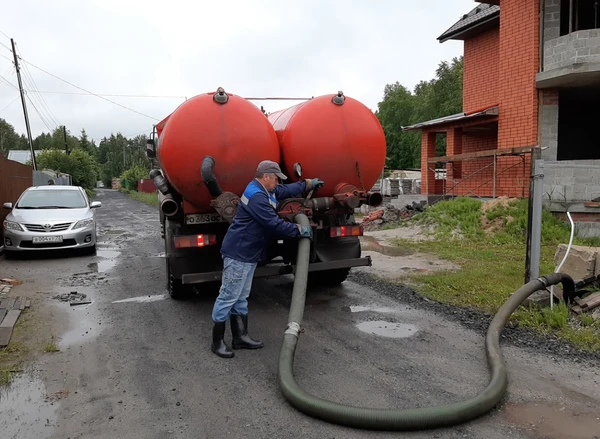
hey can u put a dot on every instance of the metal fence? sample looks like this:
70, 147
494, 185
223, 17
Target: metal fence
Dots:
41, 178
14, 179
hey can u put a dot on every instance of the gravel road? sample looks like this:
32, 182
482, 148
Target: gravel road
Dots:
136, 364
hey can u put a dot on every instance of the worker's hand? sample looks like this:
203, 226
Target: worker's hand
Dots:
305, 232
314, 183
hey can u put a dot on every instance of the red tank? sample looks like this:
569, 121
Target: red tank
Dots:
226, 127
328, 136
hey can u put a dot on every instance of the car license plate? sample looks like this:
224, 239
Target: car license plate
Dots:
45, 239
204, 218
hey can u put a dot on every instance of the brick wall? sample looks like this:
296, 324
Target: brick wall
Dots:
480, 78
519, 59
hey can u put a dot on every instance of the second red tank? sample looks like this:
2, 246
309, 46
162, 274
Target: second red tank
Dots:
335, 138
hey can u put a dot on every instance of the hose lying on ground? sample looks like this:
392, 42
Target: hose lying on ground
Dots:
392, 419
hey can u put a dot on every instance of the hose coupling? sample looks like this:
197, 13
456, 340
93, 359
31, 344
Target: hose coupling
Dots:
293, 328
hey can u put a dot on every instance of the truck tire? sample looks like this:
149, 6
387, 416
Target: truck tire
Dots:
176, 289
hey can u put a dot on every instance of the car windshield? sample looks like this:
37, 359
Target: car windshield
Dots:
52, 199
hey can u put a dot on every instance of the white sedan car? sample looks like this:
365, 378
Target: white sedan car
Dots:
50, 217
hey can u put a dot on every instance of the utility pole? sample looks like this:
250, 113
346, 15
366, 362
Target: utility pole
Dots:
33, 160
67, 152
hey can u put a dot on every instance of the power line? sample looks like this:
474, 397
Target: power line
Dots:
4, 34
2, 44
14, 100
39, 98
39, 114
111, 95
6, 57
7, 82
87, 91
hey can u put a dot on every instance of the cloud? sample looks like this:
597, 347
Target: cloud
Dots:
183, 48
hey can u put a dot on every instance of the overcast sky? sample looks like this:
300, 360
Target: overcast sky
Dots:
258, 48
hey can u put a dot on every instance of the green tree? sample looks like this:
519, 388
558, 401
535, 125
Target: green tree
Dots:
86, 145
9, 139
441, 96
79, 164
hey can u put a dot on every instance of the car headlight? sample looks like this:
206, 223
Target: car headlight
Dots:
9, 225
83, 223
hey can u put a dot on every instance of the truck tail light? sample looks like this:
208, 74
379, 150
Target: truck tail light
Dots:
338, 232
190, 241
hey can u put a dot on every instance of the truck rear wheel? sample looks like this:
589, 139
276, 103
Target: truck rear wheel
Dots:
177, 290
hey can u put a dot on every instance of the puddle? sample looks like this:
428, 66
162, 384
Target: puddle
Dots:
143, 299
107, 262
84, 323
357, 308
371, 244
555, 422
388, 329
25, 413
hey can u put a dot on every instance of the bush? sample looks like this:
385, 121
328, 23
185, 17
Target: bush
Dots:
130, 178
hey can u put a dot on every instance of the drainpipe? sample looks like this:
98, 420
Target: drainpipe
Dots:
571, 16
542, 30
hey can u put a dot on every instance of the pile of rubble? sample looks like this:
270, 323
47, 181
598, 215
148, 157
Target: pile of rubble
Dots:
390, 214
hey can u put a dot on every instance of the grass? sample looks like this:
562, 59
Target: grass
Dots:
10, 359
151, 199
51, 346
492, 264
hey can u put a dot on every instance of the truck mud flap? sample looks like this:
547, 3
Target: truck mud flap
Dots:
278, 270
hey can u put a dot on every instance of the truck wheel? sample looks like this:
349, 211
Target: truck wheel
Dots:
329, 278
176, 289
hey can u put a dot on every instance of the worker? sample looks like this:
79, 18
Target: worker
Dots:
244, 245
50, 182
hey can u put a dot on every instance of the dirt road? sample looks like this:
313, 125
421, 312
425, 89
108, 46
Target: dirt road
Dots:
135, 364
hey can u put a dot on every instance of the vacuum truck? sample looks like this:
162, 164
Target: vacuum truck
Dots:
208, 150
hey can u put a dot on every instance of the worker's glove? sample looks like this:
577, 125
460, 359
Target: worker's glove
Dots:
314, 183
305, 232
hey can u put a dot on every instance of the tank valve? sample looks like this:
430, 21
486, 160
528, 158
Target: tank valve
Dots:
339, 98
220, 96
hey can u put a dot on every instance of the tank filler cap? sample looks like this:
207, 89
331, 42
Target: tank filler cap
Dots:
339, 98
220, 96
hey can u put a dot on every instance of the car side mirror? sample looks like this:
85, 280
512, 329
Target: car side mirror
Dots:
95, 204
8, 205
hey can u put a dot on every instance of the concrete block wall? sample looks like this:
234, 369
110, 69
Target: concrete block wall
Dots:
552, 19
576, 48
573, 182
549, 124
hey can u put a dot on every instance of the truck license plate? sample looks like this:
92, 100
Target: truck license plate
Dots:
44, 239
204, 218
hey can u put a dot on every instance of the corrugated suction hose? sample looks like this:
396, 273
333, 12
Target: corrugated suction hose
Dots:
392, 419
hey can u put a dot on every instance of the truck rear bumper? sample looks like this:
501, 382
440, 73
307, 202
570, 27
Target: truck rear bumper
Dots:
278, 270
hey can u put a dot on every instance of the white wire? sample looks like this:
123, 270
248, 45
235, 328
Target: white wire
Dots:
564, 259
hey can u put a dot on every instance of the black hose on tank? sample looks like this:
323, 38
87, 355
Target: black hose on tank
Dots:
208, 177
394, 419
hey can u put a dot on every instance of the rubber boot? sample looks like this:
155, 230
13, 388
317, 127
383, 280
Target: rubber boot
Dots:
239, 331
218, 345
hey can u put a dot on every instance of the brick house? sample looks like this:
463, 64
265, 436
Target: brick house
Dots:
531, 78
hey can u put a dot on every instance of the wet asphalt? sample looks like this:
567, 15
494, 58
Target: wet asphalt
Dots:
136, 364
